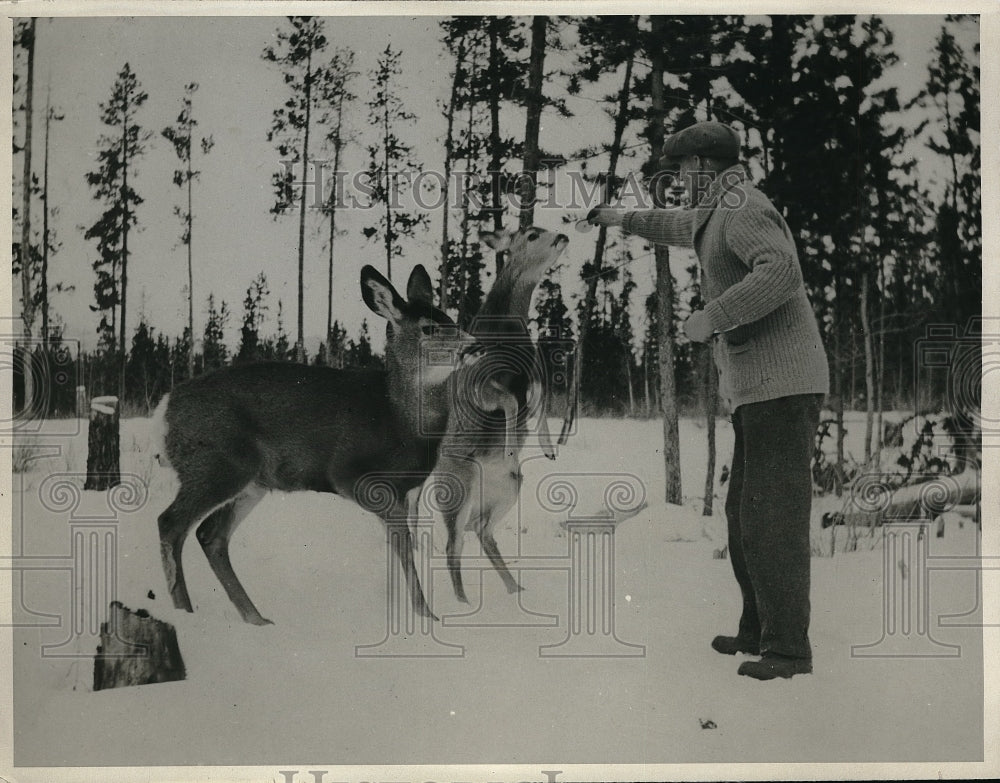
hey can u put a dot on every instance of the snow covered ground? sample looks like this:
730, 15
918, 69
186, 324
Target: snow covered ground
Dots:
315, 565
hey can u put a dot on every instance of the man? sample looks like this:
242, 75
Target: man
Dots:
772, 368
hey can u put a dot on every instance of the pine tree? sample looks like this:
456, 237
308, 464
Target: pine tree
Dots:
458, 41
297, 53
181, 136
533, 120
254, 308
608, 43
336, 97
499, 82
337, 342
26, 40
389, 157
116, 155
143, 368
952, 94
555, 329
214, 351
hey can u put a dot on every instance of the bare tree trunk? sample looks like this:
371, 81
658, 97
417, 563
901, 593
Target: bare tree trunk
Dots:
536, 74
496, 156
27, 302
607, 189
880, 364
463, 315
190, 239
664, 280
854, 374
711, 403
337, 147
449, 152
124, 288
44, 282
869, 367
645, 379
838, 383
628, 380
300, 338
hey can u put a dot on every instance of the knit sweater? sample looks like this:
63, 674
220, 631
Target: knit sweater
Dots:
770, 344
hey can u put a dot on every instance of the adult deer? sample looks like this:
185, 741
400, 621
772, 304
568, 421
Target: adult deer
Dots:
477, 468
236, 433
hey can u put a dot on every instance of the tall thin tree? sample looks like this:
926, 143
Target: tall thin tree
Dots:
51, 115
181, 136
664, 278
27, 297
117, 156
297, 53
533, 120
335, 93
389, 157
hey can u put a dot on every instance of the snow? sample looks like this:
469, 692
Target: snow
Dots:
315, 565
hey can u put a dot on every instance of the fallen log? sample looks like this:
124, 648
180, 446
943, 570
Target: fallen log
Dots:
872, 502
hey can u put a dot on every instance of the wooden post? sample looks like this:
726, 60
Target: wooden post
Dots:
136, 649
103, 444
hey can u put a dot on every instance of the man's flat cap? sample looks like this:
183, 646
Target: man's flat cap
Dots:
711, 139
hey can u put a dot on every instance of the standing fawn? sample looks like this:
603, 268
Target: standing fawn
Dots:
478, 459
236, 433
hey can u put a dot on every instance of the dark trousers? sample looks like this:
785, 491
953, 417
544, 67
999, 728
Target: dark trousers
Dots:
767, 509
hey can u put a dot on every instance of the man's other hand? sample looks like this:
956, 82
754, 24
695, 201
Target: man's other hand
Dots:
698, 327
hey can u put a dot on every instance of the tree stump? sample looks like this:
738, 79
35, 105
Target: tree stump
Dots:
103, 444
81, 401
136, 649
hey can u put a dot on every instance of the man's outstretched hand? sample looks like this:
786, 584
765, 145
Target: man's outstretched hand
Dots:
606, 216
698, 327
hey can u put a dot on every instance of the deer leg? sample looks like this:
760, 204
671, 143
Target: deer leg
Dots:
454, 551
172, 535
214, 535
504, 496
402, 544
493, 553
508, 404
412, 510
193, 503
544, 438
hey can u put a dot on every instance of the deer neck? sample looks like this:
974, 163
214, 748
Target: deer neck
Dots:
419, 406
512, 292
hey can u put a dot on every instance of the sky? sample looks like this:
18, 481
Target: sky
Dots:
235, 237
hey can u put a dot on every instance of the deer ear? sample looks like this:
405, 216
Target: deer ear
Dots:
498, 240
419, 288
380, 296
